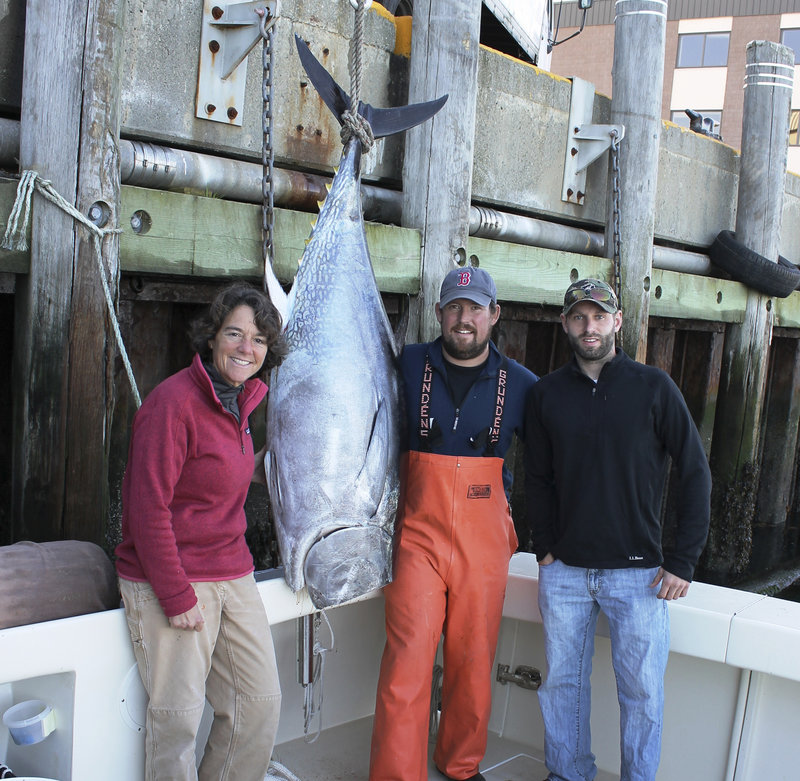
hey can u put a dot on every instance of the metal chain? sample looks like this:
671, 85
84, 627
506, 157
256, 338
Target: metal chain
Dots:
267, 151
616, 233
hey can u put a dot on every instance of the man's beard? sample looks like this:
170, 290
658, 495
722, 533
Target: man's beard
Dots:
466, 353
596, 353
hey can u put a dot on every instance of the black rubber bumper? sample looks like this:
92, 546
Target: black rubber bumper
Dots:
754, 270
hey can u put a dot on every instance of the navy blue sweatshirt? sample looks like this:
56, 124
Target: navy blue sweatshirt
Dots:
466, 436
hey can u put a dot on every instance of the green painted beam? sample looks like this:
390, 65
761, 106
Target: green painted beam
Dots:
191, 235
210, 237
540, 276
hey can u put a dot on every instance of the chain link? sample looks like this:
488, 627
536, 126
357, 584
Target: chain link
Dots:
267, 151
616, 233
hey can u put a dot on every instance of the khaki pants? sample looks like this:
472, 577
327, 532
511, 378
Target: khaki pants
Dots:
231, 662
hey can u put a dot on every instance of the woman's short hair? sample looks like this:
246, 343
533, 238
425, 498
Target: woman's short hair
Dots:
205, 327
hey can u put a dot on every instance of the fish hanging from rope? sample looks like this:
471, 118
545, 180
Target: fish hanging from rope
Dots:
334, 417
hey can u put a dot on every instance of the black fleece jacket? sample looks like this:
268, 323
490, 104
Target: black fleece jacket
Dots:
596, 460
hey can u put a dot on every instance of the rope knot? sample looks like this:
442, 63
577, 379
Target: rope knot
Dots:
353, 124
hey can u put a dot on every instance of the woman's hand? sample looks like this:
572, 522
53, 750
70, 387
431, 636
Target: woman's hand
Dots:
191, 619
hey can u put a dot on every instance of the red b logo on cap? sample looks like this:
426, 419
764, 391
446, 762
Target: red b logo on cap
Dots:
463, 279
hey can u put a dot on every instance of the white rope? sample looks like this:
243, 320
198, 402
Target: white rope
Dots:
279, 772
15, 239
310, 708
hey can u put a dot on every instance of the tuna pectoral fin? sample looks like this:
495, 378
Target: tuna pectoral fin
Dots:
370, 484
273, 484
346, 564
384, 121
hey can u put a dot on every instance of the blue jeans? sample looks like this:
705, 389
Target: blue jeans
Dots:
570, 599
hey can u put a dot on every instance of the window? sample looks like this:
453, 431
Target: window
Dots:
703, 50
794, 133
791, 38
682, 118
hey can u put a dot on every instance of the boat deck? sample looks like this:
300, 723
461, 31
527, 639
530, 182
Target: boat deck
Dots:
342, 754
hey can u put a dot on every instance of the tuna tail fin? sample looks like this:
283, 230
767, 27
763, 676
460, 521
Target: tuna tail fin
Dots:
384, 121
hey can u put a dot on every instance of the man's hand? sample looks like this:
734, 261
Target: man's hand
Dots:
191, 619
672, 587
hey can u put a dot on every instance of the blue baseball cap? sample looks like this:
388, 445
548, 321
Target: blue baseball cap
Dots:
468, 282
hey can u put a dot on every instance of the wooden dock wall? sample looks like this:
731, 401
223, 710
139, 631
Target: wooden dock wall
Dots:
195, 242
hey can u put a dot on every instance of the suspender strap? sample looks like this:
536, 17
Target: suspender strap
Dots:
430, 434
425, 405
494, 429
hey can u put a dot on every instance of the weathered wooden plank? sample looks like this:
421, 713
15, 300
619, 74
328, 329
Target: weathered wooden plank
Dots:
92, 350
437, 165
208, 237
660, 347
49, 138
781, 419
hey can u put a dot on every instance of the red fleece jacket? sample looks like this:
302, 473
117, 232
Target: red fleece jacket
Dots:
189, 467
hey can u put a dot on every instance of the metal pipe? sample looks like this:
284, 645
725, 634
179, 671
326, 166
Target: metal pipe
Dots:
150, 165
491, 224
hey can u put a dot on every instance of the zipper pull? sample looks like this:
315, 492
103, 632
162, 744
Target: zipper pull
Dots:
455, 422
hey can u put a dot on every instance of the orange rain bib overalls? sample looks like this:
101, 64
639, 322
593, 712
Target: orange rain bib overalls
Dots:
455, 539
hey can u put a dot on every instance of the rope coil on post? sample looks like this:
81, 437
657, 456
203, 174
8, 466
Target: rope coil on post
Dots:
14, 239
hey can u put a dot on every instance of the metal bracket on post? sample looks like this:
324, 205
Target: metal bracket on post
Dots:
585, 142
229, 32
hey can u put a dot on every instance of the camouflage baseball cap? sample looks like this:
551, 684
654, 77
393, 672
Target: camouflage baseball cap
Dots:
594, 290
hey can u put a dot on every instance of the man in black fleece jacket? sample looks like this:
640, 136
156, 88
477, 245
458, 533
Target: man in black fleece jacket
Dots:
600, 433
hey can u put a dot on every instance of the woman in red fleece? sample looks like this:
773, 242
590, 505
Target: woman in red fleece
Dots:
197, 622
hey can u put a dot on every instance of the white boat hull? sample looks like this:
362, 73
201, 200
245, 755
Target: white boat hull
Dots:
731, 713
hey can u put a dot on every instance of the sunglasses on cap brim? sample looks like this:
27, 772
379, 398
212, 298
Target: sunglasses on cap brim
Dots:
592, 294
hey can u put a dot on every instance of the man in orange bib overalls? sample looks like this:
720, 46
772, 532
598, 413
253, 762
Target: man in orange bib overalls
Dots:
464, 402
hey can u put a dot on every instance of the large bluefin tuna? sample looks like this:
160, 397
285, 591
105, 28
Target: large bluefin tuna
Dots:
334, 417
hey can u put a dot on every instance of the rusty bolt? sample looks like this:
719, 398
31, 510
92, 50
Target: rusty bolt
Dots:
299, 128
576, 130
573, 151
317, 132
569, 192
213, 46
216, 12
581, 195
232, 113
303, 84
326, 51
210, 108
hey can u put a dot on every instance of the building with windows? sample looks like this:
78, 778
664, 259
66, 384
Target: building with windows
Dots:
704, 63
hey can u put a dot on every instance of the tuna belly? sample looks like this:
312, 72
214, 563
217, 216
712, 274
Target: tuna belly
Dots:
346, 564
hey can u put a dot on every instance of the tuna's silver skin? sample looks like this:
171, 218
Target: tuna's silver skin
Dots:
334, 418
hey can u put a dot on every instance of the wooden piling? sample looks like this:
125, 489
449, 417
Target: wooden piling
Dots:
92, 347
735, 452
437, 166
49, 132
67, 135
639, 40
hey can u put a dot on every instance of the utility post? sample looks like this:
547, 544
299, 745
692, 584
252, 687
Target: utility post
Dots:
68, 135
637, 77
735, 452
437, 166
